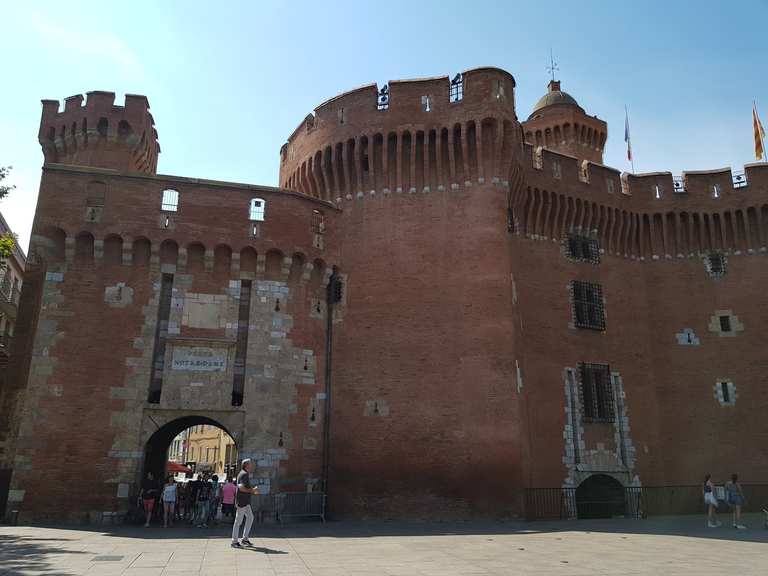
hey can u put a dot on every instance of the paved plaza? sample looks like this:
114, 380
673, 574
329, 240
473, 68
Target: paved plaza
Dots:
659, 546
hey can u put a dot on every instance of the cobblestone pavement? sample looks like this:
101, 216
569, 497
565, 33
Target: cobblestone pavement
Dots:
660, 546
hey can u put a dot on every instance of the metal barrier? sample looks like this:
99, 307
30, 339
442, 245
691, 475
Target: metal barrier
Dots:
632, 502
300, 504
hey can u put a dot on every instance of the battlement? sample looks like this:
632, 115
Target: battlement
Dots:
405, 134
692, 190
95, 132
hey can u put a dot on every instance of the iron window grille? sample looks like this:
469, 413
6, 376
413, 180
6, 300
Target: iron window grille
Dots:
170, 201
257, 209
318, 222
596, 393
583, 249
457, 89
589, 310
725, 323
716, 264
725, 392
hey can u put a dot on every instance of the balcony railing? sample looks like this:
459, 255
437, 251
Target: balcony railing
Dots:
9, 293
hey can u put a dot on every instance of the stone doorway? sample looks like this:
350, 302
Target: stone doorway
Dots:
600, 496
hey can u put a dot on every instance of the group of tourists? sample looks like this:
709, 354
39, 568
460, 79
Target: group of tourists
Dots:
734, 496
196, 501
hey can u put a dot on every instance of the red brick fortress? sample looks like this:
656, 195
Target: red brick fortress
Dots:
439, 308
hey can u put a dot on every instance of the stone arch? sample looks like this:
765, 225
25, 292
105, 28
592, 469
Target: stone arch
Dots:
318, 274
195, 257
297, 266
273, 264
161, 427
222, 260
142, 251
113, 249
124, 130
169, 252
248, 260
84, 248
600, 496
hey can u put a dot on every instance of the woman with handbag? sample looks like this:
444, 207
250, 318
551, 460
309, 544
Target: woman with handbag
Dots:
711, 502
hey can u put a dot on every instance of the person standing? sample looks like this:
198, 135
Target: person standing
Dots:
215, 498
710, 501
169, 501
228, 492
735, 498
203, 497
193, 487
148, 495
243, 501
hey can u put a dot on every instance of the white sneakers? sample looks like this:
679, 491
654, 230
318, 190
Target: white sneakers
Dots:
714, 524
740, 526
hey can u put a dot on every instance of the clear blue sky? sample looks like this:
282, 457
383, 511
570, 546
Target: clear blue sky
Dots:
229, 81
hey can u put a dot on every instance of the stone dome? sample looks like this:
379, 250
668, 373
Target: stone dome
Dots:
555, 97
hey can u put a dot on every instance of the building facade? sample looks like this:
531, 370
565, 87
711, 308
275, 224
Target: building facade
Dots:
205, 448
439, 308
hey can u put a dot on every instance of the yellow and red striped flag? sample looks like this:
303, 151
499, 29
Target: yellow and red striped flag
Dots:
759, 133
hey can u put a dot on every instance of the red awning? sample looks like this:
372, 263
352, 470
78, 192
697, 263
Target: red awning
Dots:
174, 467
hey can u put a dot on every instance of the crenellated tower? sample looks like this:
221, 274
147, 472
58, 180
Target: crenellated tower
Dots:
559, 123
100, 134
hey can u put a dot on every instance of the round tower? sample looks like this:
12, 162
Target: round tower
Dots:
424, 345
559, 123
99, 133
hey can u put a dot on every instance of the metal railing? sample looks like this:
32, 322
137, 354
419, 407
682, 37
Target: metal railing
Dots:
631, 502
300, 505
9, 292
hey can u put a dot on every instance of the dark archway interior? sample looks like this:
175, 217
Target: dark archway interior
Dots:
600, 496
156, 450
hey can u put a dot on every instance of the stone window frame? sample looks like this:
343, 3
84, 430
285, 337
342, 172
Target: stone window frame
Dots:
257, 210
716, 324
728, 396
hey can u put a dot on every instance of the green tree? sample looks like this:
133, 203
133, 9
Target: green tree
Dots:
7, 241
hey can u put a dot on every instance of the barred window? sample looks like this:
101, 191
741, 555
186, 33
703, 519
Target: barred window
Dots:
318, 222
170, 200
596, 393
583, 248
257, 209
588, 305
715, 264
456, 92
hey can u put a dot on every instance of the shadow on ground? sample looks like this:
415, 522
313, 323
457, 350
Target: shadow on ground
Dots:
682, 526
20, 555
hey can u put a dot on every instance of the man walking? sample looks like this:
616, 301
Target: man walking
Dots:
243, 505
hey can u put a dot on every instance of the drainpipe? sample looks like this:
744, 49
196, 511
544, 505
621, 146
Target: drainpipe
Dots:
330, 301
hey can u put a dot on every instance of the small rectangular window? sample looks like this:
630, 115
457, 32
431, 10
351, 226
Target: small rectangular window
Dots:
589, 311
725, 323
257, 209
596, 393
170, 200
557, 171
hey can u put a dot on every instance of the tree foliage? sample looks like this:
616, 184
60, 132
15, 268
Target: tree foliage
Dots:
7, 241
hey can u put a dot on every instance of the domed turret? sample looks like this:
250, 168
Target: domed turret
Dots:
559, 123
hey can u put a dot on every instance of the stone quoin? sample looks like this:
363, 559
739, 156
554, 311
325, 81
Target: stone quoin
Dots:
439, 307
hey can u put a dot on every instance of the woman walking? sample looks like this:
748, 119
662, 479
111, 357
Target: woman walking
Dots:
169, 500
147, 496
711, 502
735, 497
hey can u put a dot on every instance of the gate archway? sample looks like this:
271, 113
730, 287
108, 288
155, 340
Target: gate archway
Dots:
156, 447
600, 496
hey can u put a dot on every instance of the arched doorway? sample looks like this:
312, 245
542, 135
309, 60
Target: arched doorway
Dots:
600, 496
157, 447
